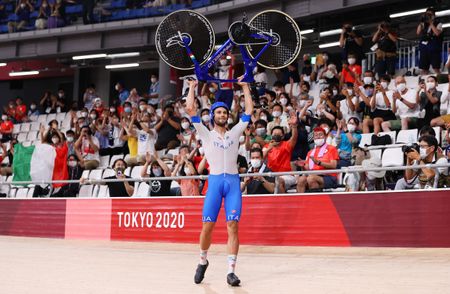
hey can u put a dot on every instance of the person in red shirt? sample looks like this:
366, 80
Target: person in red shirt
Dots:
279, 153
351, 72
10, 111
21, 110
6, 129
322, 157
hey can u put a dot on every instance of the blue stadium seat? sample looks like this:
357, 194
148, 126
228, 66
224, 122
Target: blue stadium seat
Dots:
34, 14
13, 17
3, 29
197, 4
116, 4
140, 12
74, 9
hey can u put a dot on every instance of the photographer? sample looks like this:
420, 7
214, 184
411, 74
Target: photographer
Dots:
168, 128
423, 153
385, 40
87, 146
430, 32
351, 41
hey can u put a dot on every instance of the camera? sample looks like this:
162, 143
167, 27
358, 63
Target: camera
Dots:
410, 147
425, 18
348, 29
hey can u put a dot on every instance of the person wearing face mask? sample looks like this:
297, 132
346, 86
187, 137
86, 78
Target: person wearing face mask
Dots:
261, 79
225, 72
279, 119
380, 106
321, 157
155, 167
347, 136
205, 117
279, 153
351, 42
185, 167
429, 98
21, 111
260, 134
88, 146
405, 106
153, 91
425, 178
351, 72
349, 107
123, 93
146, 139
33, 112
113, 140
6, 129
23, 11
431, 38
89, 96
75, 171
120, 189
257, 184
329, 75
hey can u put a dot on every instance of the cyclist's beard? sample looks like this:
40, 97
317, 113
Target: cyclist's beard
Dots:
220, 124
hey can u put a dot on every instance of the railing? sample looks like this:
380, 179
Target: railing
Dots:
351, 169
408, 55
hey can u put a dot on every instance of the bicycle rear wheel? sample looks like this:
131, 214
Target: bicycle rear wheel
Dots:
187, 24
287, 39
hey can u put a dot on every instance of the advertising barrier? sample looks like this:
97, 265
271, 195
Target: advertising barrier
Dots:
401, 219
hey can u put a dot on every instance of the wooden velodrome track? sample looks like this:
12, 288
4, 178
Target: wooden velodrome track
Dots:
34, 265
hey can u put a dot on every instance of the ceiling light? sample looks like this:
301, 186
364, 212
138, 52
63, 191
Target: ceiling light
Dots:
23, 73
2, 64
91, 56
406, 13
124, 65
330, 32
327, 45
446, 25
305, 32
126, 54
443, 13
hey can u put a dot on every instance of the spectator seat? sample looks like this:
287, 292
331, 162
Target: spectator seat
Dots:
32, 135
104, 162
103, 191
407, 136
42, 118
16, 129
35, 126
96, 174
22, 193
86, 191
142, 191
114, 158
392, 157
366, 139
25, 127
22, 137
136, 172
109, 172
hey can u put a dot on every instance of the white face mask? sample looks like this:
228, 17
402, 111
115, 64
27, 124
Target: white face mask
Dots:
306, 78
368, 80
142, 107
325, 57
69, 139
242, 104
55, 141
241, 139
261, 132
22, 5
157, 171
4, 117
84, 114
185, 125
351, 128
423, 153
283, 101
112, 110
335, 92
212, 89
256, 163
72, 163
223, 62
319, 142
33, 107
276, 113
384, 85
205, 118
93, 116
263, 117
117, 88
153, 80
350, 92
326, 130
431, 85
401, 87
351, 61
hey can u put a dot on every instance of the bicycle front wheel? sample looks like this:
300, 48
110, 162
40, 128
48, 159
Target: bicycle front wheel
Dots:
287, 40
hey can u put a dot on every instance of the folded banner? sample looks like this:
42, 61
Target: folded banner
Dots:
38, 163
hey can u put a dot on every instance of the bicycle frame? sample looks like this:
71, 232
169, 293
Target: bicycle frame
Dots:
202, 71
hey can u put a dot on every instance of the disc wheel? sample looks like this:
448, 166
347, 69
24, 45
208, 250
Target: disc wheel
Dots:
287, 39
184, 24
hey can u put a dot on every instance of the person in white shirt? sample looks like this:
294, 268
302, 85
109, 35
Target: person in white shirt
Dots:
87, 147
146, 139
404, 105
221, 150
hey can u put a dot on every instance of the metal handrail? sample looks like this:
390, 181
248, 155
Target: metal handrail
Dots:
351, 169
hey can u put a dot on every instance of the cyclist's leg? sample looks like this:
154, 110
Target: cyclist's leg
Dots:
233, 206
211, 208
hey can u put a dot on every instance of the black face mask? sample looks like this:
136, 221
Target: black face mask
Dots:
277, 138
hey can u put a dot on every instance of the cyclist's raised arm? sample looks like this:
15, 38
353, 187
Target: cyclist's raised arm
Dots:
190, 101
247, 96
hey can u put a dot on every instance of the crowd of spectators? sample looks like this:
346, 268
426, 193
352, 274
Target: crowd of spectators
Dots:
309, 119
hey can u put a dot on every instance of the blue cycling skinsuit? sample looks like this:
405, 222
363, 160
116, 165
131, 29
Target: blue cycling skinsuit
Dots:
223, 181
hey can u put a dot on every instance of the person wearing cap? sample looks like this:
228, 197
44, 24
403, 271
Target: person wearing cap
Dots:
321, 157
221, 150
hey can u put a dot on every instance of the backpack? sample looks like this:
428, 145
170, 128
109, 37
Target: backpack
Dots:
381, 140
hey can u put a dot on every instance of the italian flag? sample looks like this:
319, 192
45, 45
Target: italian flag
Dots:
41, 162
